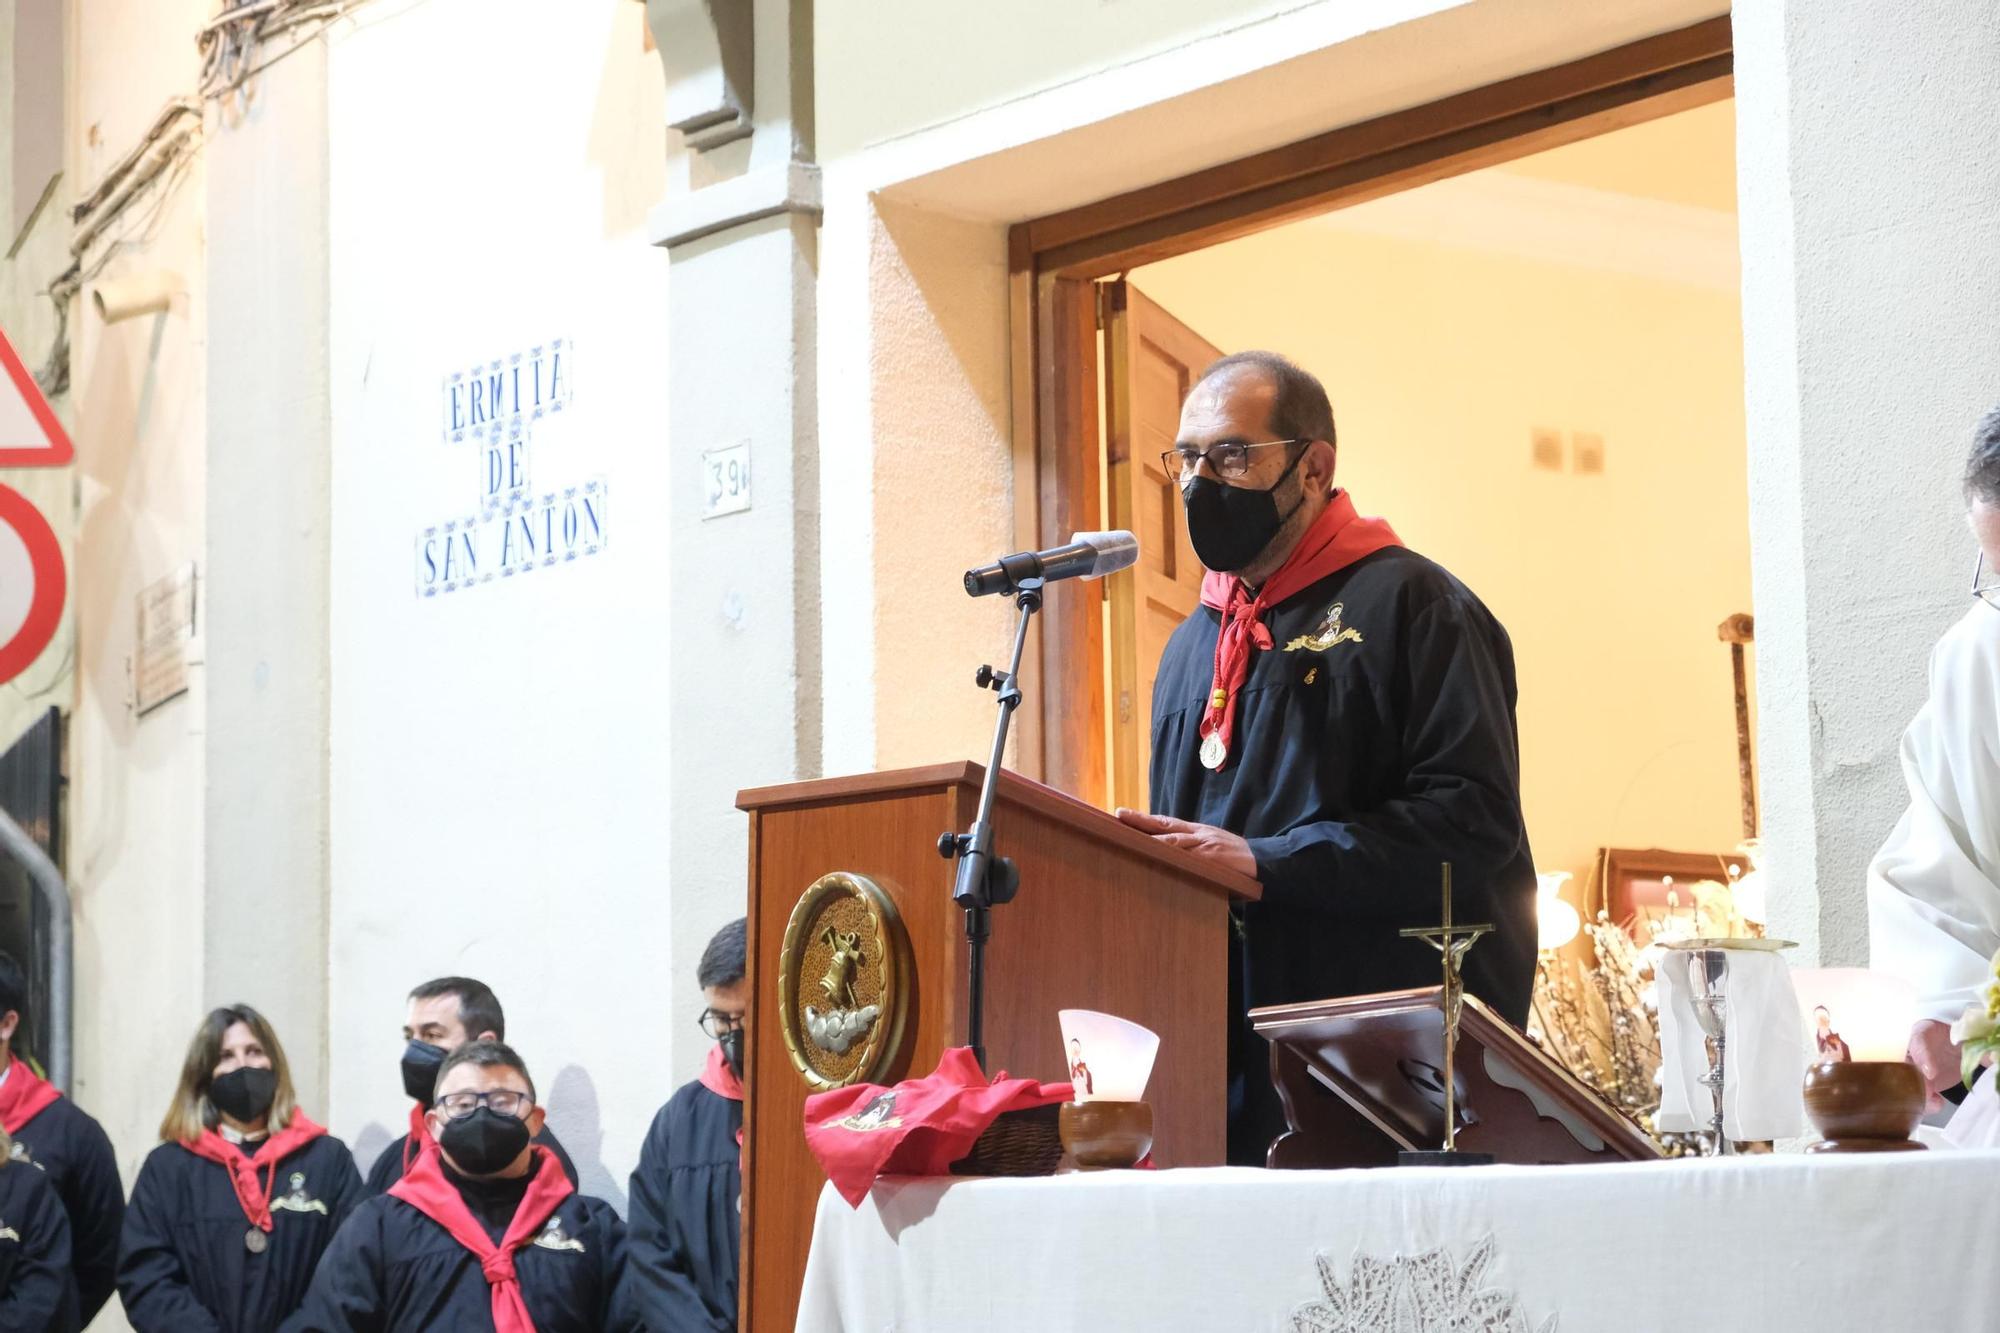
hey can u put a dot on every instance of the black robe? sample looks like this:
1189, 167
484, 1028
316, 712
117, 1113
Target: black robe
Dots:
183, 1266
388, 1168
394, 1270
1373, 742
75, 1153
37, 1289
686, 1223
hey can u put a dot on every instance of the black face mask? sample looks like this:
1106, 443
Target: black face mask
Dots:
420, 1070
731, 1043
1231, 525
485, 1142
244, 1093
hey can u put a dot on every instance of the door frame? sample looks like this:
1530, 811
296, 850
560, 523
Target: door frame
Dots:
1054, 263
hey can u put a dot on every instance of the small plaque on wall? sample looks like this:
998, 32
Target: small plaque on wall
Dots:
166, 627
725, 477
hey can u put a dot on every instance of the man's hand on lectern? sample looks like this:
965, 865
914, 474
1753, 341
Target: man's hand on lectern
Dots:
1217, 844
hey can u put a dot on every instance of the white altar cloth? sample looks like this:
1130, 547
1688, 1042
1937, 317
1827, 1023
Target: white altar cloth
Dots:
1757, 1244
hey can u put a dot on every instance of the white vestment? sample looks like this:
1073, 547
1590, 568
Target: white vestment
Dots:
1934, 888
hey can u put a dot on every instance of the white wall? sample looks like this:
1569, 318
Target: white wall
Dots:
1869, 241
499, 777
1441, 360
139, 401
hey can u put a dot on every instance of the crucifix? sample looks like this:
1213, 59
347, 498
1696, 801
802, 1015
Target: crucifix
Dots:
1451, 941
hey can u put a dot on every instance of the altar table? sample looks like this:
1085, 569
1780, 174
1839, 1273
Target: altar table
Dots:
1900, 1241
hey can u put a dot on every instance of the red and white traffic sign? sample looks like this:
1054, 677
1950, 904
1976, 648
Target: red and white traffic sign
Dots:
32, 583
30, 435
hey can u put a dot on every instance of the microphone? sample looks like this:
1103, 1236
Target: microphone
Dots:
1089, 555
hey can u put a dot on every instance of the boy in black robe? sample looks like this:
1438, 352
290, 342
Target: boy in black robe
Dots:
1336, 720
484, 1232
37, 1289
687, 1194
72, 1150
443, 1015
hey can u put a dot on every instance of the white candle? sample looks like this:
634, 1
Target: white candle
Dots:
1109, 1059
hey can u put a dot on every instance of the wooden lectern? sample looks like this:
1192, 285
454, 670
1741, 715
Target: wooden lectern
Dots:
1106, 919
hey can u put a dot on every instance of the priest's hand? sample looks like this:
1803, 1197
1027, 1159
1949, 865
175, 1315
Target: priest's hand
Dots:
1205, 840
1936, 1058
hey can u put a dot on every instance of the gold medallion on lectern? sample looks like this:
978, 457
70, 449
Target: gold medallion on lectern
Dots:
844, 980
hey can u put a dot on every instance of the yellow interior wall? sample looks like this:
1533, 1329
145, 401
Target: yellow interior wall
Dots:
1441, 362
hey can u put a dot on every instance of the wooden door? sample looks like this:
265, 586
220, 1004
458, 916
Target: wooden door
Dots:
1151, 360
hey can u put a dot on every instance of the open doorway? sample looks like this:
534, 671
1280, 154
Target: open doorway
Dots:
1536, 370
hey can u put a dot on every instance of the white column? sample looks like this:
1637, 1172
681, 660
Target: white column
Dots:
740, 226
1871, 260
266, 575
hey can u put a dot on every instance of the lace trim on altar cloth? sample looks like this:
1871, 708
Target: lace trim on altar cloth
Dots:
1424, 1293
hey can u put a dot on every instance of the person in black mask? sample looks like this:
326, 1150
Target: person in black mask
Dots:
51, 1132
443, 1015
687, 1195
232, 1212
484, 1232
1336, 719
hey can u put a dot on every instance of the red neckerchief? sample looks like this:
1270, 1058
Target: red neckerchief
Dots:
23, 1095
252, 1193
426, 1190
1337, 538
719, 1078
418, 1140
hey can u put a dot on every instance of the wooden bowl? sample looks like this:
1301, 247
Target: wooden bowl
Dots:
1864, 1105
1102, 1134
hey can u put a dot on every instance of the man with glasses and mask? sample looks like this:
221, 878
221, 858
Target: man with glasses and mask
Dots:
1934, 888
443, 1015
687, 1195
485, 1231
1337, 720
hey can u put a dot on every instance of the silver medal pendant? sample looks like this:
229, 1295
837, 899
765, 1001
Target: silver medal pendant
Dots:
255, 1241
1213, 751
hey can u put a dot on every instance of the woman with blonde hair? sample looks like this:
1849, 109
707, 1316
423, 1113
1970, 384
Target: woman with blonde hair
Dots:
37, 1292
232, 1210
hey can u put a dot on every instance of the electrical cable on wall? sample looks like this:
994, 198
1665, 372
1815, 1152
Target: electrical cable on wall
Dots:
235, 47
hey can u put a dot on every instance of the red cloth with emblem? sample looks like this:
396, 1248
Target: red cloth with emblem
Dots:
253, 1192
1337, 538
917, 1128
425, 1189
24, 1095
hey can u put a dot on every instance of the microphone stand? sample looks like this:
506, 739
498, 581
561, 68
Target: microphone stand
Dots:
984, 880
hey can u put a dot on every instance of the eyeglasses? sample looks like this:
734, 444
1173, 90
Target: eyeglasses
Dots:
1985, 591
714, 1022
1230, 458
503, 1101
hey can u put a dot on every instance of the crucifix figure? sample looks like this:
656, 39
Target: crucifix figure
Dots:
1451, 941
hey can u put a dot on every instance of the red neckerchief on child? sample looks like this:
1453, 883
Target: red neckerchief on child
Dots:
252, 1193
1337, 538
426, 1190
23, 1095
418, 1141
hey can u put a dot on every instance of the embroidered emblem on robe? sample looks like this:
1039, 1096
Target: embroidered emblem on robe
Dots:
298, 1201
1330, 632
553, 1237
8, 1233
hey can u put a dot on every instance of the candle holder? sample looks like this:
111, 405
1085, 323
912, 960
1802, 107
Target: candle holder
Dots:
1864, 1105
1106, 1134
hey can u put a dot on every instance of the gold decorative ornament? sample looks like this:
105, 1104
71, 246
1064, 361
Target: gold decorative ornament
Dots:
844, 978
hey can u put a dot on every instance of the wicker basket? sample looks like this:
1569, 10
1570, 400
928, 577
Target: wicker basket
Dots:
1017, 1143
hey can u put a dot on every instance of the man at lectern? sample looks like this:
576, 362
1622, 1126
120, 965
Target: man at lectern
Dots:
1336, 719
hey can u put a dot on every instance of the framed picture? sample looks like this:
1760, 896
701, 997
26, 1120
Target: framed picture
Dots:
1642, 888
